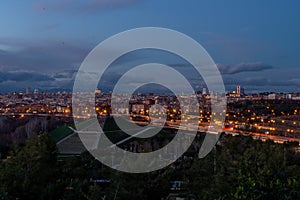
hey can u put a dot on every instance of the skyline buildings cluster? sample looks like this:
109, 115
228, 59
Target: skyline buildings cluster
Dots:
237, 91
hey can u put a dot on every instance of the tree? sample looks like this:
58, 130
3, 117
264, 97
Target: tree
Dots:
31, 171
95, 193
31, 126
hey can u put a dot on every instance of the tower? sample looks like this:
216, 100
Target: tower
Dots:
27, 90
204, 91
239, 90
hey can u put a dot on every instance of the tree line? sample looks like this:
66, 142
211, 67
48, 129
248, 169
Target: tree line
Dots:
238, 168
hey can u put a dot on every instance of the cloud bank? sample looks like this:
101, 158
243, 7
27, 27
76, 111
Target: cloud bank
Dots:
243, 67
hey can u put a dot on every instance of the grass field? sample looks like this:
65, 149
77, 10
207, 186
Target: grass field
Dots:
61, 132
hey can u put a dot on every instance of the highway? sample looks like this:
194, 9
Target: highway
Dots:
263, 137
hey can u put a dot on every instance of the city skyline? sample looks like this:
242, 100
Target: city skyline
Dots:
149, 99
43, 44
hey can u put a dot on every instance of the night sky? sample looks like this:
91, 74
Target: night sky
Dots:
256, 44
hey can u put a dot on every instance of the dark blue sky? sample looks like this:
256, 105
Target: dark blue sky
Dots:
255, 43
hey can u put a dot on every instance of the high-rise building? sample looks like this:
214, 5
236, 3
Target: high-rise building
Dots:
97, 91
36, 91
27, 90
204, 91
239, 90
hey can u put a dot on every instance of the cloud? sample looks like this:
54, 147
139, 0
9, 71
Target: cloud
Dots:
279, 79
259, 81
65, 74
228, 69
46, 56
24, 76
2, 52
295, 80
243, 67
19, 80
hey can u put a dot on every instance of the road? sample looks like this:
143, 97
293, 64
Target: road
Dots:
261, 136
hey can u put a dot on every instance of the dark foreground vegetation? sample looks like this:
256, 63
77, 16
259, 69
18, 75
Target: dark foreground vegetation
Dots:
238, 168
